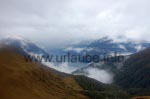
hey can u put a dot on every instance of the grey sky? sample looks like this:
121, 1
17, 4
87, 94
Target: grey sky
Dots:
62, 21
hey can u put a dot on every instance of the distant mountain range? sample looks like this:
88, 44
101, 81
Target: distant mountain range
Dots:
100, 47
107, 45
96, 47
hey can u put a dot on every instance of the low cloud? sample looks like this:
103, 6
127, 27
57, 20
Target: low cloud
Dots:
55, 21
63, 67
100, 75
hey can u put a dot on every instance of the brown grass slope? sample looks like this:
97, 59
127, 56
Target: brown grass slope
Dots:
142, 97
22, 80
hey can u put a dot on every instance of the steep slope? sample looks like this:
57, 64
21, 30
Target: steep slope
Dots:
22, 80
135, 72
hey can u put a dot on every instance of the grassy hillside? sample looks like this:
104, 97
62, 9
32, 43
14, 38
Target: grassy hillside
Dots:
142, 97
22, 80
135, 72
96, 90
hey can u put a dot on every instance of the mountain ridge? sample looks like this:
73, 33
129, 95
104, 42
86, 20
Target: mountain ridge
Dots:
21, 80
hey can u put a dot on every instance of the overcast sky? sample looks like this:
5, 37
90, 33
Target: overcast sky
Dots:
59, 21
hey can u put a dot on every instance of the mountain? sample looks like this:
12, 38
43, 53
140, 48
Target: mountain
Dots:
105, 46
103, 71
135, 72
96, 90
29, 80
23, 80
99, 71
26, 80
132, 75
23, 45
108, 46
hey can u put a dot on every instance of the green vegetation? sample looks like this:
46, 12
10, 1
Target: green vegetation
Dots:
135, 72
96, 90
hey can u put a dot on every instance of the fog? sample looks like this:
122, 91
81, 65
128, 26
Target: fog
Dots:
100, 75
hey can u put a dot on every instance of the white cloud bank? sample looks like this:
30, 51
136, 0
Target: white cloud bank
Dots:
60, 21
100, 75
63, 67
